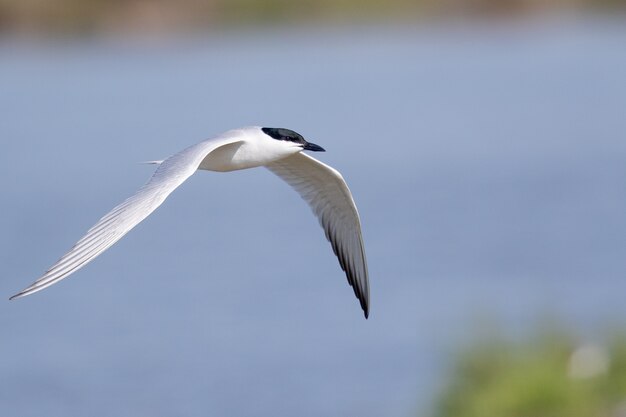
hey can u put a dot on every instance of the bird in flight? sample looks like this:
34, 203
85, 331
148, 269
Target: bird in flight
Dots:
277, 149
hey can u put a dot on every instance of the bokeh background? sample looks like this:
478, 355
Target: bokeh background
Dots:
484, 142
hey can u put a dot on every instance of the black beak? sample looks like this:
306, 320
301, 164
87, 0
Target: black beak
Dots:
313, 147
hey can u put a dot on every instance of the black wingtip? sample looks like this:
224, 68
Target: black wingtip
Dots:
364, 306
19, 294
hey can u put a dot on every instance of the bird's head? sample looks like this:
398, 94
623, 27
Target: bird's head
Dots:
295, 138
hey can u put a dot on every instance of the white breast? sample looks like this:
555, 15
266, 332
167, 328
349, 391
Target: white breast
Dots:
253, 150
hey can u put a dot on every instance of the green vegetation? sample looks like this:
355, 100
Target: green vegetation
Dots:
93, 16
549, 376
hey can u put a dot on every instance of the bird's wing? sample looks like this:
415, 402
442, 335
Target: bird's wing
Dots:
326, 192
169, 175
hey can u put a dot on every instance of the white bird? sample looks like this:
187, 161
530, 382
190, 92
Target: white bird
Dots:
279, 150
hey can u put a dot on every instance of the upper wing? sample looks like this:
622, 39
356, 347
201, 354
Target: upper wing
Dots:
326, 192
169, 175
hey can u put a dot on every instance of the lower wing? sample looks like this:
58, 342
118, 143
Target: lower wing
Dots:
328, 195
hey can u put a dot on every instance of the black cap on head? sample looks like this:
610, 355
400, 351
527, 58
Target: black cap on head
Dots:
280, 133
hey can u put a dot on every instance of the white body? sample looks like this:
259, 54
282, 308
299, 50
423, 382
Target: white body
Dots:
320, 185
252, 148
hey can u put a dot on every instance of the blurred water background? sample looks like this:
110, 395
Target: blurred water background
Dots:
486, 158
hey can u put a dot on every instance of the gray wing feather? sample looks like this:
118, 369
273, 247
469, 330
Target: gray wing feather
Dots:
114, 225
328, 195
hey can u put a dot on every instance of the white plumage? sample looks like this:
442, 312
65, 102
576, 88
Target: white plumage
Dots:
321, 186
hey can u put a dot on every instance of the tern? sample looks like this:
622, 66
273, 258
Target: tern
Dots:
277, 149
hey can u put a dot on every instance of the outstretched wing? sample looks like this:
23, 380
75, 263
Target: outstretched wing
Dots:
169, 175
326, 192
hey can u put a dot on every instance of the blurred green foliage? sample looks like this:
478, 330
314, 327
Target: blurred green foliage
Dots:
93, 16
548, 376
